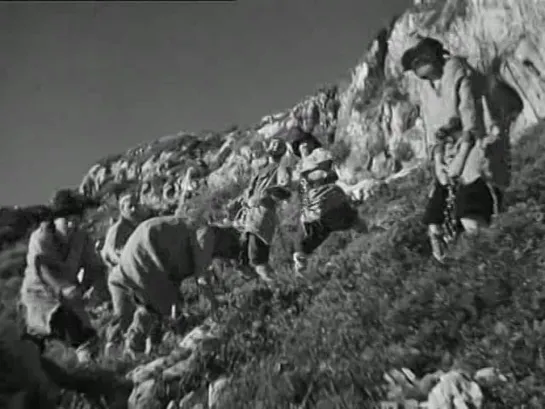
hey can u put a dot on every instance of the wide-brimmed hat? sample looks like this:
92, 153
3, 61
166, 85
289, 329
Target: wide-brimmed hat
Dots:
424, 45
68, 202
296, 136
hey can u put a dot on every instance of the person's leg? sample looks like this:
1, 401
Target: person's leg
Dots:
144, 321
475, 205
123, 309
155, 335
258, 256
68, 327
434, 216
309, 237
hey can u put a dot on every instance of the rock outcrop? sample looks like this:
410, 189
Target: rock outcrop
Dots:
380, 116
377, 115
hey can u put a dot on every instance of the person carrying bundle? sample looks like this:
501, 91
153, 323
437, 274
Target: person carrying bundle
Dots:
257, 219
325, 207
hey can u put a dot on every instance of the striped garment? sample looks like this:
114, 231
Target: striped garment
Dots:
321, 201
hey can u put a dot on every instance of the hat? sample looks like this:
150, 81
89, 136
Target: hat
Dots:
425, 45
67, 202
319, 159
296, 136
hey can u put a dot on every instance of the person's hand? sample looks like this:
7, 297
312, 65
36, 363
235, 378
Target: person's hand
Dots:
453, 173
72, 293
72, 296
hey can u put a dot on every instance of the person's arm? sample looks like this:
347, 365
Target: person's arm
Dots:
49, 268
52, 275
439, 168
93, 269
109, 253
470, 117
203, 243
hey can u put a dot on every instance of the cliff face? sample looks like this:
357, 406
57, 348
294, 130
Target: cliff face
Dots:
380, 111
376, 118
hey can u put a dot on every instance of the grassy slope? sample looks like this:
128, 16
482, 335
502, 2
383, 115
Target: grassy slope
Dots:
382, 302
385, 303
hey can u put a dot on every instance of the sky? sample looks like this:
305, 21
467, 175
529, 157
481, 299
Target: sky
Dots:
79, 81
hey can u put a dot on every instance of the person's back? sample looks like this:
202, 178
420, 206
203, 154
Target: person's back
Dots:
160, 253
156, 256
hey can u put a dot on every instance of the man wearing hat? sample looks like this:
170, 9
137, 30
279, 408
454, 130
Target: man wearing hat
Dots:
258, 219
51, 294
452, 93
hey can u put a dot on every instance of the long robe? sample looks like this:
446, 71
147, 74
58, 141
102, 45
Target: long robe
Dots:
66, 259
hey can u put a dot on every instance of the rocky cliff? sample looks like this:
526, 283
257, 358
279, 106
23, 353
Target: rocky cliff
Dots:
375, 120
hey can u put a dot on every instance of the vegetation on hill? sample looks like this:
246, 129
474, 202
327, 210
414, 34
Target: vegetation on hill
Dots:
377, 301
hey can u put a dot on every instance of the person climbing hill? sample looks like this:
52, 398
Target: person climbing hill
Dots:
325, 207
51, 295
161, 253
472, 160
257, 218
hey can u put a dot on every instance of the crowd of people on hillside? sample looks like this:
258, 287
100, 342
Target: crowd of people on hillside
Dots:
147, 258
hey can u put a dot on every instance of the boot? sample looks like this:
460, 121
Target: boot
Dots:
438, 247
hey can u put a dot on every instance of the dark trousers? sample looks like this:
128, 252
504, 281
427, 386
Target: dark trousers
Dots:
474, 200
67, 327
311, 235
246, 248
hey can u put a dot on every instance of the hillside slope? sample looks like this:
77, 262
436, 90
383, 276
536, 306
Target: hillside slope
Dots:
370, 302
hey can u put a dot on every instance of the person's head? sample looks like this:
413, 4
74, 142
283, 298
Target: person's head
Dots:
277, 149
129, 207
426, 59
68, 209
302, 143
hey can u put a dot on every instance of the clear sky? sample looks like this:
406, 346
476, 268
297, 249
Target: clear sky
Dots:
82, 80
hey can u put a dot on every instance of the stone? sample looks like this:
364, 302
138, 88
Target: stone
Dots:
489, 375
457, 391
215, 391
180, 369
144, 396
149, 370
194, 398
199, 335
